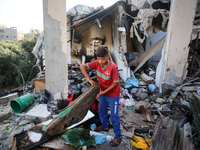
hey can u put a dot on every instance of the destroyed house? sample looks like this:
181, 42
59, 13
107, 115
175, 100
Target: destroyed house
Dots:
136, 32
114, 27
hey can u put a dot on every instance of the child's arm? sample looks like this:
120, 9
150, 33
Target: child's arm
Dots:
114, 84
84, 71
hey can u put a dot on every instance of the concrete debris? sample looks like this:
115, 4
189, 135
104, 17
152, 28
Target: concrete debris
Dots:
39, 111
160, 100
4, 113
147, 107
5, 99
142, 95
145, 77
81, 11
23, 122
57, 96
134, 90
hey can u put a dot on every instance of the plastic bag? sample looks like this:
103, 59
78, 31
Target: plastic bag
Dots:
100, 139
131, 82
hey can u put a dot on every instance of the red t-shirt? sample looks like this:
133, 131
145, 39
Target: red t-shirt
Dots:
106, 76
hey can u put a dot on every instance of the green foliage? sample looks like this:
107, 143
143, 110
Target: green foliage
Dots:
27, 45
16, 57
9, 60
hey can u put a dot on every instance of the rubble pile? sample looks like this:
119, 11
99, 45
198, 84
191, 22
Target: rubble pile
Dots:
142, 109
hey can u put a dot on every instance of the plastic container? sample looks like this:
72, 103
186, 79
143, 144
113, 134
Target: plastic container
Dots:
93, 126
21, 103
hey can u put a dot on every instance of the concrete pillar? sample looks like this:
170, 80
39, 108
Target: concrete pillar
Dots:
172, 69
55, 46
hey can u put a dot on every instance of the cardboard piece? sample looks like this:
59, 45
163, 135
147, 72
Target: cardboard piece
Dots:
39, 84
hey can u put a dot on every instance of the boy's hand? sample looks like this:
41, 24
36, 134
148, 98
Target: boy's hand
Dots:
99, 94
92, 82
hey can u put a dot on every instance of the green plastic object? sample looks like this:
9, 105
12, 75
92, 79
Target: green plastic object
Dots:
21, 103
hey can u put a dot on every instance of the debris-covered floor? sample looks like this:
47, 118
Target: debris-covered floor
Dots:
144, 112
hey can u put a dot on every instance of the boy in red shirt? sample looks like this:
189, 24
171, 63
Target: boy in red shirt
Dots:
107, 73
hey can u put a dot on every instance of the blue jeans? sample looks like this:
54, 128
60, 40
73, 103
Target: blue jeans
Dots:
113, 103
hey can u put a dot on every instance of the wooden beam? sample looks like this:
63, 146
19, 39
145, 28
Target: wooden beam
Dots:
164, 136
74, 113
139, 62
187, 137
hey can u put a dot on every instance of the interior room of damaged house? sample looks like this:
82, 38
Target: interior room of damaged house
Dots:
155, 46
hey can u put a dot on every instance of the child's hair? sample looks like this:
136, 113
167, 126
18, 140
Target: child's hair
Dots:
102, 51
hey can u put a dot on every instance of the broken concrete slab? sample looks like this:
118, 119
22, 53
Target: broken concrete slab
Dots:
134, 90
5, 99
4, 113
145, 77
23, 122
142, 95
39, 111
57, 96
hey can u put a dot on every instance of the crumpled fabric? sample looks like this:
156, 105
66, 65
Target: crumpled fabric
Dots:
140, 143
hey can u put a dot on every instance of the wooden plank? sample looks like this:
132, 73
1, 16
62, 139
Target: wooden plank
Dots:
180, 143
189, 88
164, 135
74, 113
139, 62
195, 105
187, 137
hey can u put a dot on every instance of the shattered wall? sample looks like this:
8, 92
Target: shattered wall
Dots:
119, 47
87, 42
